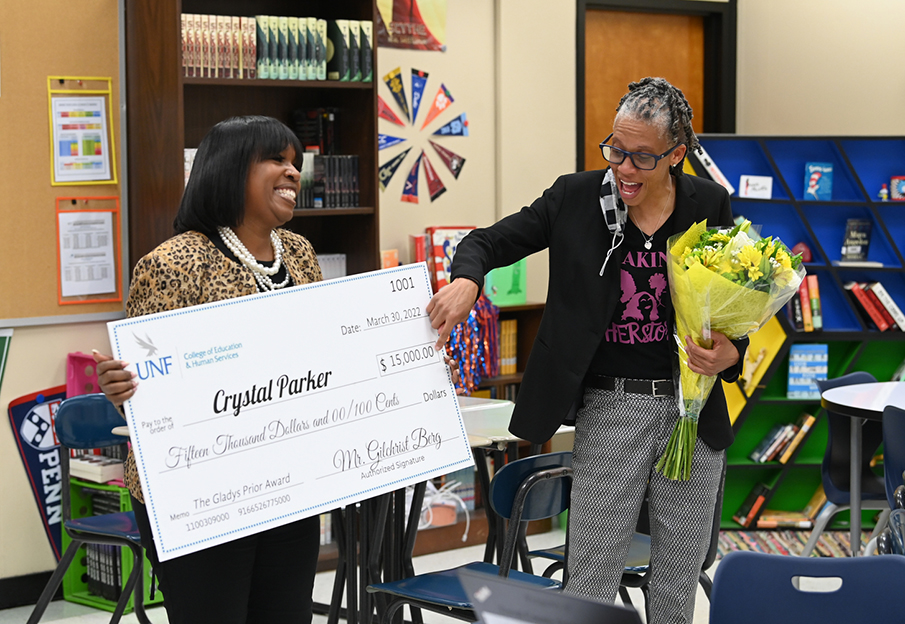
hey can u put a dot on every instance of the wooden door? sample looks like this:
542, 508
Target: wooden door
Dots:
622, 47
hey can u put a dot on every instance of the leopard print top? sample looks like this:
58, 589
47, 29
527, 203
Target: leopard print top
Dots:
188, 270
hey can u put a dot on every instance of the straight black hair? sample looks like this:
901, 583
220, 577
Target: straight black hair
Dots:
215, 194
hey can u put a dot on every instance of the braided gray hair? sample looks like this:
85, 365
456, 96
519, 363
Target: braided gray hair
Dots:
657, 101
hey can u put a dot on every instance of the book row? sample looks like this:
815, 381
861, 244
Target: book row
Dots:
276, 47
876, 307
508, 346
781, 441
752, 513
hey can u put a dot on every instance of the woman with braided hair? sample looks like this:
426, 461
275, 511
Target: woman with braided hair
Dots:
604, 354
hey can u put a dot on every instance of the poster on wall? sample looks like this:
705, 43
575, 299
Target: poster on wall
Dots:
412, 24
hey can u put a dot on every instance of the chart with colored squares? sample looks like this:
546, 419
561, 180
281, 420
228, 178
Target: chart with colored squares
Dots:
441, 121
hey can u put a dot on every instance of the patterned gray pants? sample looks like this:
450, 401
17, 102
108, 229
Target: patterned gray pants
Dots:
619, 437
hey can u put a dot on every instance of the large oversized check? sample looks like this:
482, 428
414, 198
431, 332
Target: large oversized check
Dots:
258, 411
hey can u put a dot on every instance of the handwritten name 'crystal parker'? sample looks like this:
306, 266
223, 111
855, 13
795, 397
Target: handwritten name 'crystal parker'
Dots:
256, 395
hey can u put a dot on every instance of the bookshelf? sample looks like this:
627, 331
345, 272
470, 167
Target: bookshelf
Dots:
527, 317
169, 112
860, 166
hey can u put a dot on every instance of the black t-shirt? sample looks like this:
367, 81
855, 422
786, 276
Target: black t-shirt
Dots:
276, 279
638, 342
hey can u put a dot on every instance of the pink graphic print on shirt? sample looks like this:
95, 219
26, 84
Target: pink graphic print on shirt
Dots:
643, 315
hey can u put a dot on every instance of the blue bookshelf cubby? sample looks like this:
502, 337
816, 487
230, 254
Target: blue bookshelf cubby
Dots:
736, 158
860, 166
791, 156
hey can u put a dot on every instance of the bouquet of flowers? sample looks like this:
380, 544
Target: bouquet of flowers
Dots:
726, 280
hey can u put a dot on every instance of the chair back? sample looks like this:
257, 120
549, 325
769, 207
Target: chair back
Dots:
836, 467
84, 422
897, 531
752, 588
546, 498
893, 450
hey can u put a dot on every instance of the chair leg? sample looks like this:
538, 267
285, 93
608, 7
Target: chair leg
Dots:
706, 583
882, 521
626, 599
55, 579
131, 584
820, 523
139, 591
871, 548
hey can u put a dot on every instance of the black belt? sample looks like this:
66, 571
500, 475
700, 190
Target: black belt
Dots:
653, 387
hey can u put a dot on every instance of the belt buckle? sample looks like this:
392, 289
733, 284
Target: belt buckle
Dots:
653, 386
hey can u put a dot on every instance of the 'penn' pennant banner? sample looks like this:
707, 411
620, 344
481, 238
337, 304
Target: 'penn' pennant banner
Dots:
434, 184
393, 80
419, 80
389, 168
32, 419
385, 140
453, 161
385, 112
441, 102
457, 127
410, 192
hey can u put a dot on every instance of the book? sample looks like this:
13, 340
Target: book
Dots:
807, 362
748, 512
186, 46
761, 449
292, 61
889, 303
779, 445
96, 468
338, 65
443, 241
818, 181
712, 169
776, 519
814, 299
236, 46
224, 46
865, 306
507, 285
755, 187
818, 500
262, 45
804, 296
366, 45
897, 188
879, 306
249, 47
320, 49
389, 258
856, 242
804, 424
417, 248
273, 47
310, 47
354, 51
197, 45
796, 316
282, 47
205, 38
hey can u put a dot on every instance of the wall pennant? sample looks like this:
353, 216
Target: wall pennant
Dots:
385, 174
457, 127
385, 112
385, 140
419, 81
434, 184
453, 161
393, 80
441, 102
410, 192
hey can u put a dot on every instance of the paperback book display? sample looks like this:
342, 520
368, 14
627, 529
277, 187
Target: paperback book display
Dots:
856, 241
781, 441
804, 519
818, 181
804, 308
807, 363
276, 47
508, 346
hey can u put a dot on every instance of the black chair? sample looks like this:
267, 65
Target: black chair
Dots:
835, 470
86, 422
533, 488
636, 573
893, 469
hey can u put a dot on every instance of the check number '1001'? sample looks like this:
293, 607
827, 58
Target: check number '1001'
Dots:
403, 359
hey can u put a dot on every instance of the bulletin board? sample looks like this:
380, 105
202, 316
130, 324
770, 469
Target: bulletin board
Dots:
29, 269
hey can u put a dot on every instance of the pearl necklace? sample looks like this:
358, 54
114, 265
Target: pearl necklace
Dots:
649, 240
262, 273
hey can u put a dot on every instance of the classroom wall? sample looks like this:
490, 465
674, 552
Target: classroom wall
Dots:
800, 71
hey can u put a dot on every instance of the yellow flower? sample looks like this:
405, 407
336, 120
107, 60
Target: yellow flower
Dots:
720, 237
749, 258
783, 259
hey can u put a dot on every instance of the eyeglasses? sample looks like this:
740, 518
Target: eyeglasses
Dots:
641, 160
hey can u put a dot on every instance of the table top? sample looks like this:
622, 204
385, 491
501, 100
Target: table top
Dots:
488, 419
864, 400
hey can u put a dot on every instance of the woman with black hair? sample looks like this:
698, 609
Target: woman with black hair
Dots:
228, 244
604, 354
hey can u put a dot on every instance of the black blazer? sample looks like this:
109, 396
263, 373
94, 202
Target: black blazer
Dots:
568, 220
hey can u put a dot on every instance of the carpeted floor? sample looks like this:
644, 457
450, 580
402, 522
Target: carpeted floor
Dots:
830, 544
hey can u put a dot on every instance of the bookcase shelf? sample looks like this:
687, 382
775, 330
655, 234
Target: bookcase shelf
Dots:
860, 166
169, 112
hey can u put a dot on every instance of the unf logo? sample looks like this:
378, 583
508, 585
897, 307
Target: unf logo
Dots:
152, 368
37, 426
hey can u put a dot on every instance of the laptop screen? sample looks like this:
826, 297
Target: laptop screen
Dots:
499, 600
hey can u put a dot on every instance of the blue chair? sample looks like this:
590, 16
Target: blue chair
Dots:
893, 469
533, 488
637, 564
835, 470
752, 588
85, 422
